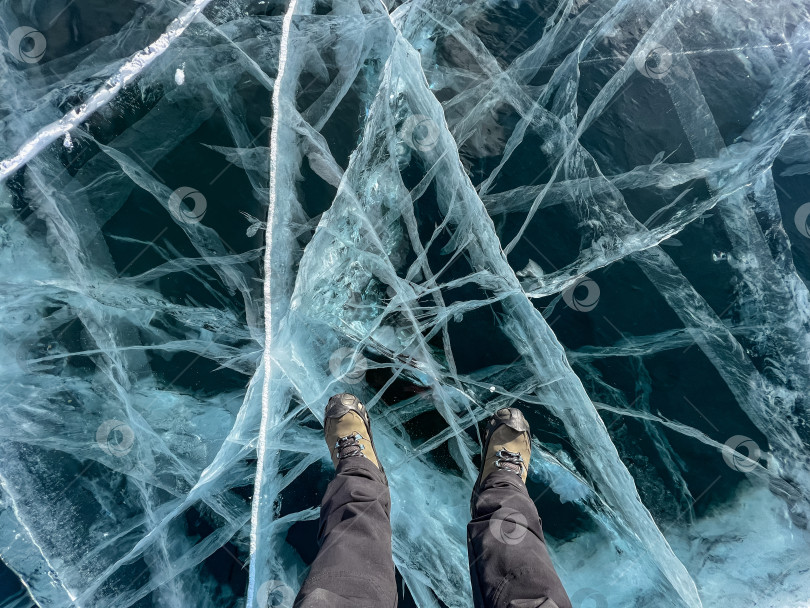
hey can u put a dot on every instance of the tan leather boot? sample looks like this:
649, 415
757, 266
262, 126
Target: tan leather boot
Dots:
507, 445
347, 429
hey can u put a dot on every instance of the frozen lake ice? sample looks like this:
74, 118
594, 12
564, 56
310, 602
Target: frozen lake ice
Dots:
218, 213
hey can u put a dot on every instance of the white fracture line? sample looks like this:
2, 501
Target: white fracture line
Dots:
268, 321
126, 73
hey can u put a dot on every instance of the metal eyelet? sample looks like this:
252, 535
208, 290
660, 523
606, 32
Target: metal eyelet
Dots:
356, 437
499, 453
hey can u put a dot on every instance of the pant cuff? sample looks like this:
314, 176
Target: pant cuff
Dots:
347, 466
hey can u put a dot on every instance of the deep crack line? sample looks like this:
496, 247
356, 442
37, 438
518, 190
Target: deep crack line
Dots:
126, 74
267, 363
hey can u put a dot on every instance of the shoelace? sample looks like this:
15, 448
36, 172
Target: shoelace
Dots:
348, 446
510, 461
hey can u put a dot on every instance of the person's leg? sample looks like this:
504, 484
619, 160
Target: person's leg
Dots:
354, 567
510, 566
509, 563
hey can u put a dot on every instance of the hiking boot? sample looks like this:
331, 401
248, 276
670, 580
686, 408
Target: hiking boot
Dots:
347, 429
507, 446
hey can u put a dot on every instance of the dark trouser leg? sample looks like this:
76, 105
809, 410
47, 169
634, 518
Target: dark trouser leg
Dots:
354, 567
509, 564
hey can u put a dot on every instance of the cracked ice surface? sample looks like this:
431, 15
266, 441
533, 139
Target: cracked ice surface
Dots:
216, 215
